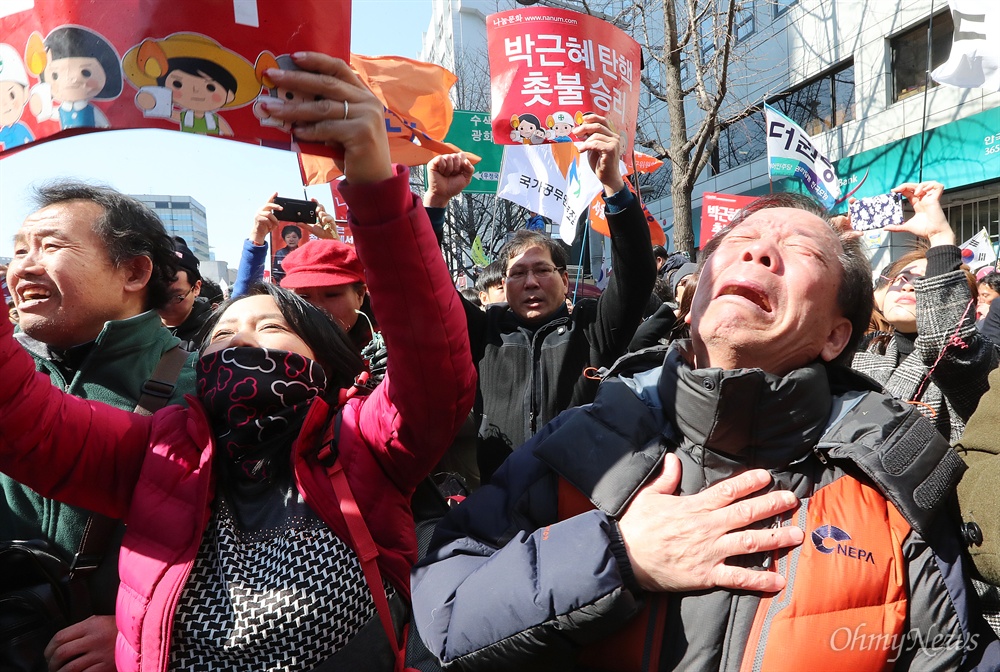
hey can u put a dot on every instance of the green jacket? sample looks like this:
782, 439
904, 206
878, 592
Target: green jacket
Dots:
122, 358
979, 491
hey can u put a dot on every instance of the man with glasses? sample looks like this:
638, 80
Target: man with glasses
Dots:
185, 310
532, 353
90, 269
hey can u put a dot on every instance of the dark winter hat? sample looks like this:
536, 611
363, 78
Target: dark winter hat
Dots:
186, 260
684, 271
322, 263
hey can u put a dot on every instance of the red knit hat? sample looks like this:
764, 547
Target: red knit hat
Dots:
322, 263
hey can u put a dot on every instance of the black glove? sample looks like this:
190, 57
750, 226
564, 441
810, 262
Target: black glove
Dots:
376, 356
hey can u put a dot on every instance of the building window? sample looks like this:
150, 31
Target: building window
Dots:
823, 103
706, 30
782, 6
817, 106
182, 206
909, 55
161, 204
745, 20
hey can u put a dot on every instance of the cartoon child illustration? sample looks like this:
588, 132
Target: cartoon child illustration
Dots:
561, 125
527, 129
274, 95
13, 98
75, 66
188, 78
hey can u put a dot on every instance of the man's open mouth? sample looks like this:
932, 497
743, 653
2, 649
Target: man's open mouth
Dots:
748, 293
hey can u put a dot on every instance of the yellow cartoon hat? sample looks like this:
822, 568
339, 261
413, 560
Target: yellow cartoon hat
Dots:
146, 62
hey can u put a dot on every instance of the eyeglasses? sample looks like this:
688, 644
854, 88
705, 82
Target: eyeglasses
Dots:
541, 272
177, 298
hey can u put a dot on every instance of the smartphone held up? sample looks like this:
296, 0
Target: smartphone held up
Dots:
876, 212
295, 210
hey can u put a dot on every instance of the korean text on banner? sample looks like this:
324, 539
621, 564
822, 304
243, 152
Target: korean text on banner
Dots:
978, 251
154, 61
717, 210
472, 131
552, 180
974, 61
790, 153
549, 67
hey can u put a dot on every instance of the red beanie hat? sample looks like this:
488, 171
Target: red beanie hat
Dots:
322, 263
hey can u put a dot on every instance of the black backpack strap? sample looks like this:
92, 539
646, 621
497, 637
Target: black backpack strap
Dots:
94, 545
161, 384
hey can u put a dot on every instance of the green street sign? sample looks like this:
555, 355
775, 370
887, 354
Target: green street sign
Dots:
471, 131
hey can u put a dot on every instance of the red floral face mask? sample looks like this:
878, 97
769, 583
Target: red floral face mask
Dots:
256, 400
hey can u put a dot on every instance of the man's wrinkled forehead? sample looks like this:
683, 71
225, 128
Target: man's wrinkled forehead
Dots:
59, 219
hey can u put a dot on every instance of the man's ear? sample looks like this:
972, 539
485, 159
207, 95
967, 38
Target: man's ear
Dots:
484, 298
837, 340
137, 271
197, 289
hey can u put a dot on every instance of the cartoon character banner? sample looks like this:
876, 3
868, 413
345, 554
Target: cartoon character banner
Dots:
549, 67
197, 66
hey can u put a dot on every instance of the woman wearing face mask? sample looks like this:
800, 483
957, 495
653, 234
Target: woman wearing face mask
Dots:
933, 356
269, 524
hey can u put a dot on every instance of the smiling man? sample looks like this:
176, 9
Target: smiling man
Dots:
749, 504
90, 267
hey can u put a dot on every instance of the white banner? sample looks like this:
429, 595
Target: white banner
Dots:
978, 251
975, 49
790, 153
553, 180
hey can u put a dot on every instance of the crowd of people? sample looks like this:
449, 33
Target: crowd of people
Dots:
757, 460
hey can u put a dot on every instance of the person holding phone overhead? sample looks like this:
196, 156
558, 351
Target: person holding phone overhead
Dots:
269, 523
933, 357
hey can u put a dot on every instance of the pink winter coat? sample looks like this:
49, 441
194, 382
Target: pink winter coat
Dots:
157, 472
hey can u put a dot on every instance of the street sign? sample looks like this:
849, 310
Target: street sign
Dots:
472, 132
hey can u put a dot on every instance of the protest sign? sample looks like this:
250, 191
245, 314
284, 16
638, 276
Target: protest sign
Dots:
472, 131
978, 251
790, 153
187, 65
717, 210
549, 67
552, 180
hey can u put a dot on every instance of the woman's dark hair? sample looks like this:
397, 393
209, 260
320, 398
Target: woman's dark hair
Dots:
991, 280
200, 67
75, 42
334, 351
290, 228
531, 119
128, 229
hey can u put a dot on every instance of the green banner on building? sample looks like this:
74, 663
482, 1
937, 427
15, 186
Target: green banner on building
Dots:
471, 132
965, 151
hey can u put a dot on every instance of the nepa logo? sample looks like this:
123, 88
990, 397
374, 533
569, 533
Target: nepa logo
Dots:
829, 539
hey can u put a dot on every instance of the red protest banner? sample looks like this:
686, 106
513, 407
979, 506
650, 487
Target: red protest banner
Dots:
340, 213
73, 66
716, 212
549, 67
